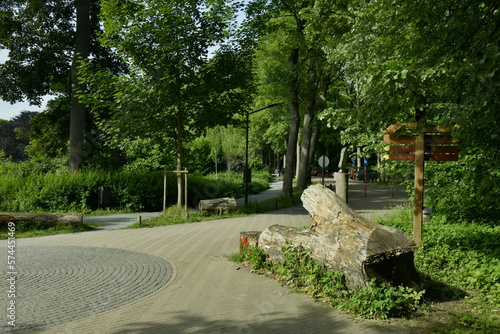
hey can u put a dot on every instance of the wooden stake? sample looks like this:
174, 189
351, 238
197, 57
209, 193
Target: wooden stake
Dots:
164, 191
186, 193
419, 189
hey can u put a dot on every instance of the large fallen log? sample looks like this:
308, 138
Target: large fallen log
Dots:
346, 242
47, 219
217, 204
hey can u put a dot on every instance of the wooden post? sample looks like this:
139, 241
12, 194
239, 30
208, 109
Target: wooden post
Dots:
185, 171
419, 189
186, 193
164, 191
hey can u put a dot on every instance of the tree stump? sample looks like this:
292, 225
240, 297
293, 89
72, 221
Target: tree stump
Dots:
346, 242
249, 239
47, 219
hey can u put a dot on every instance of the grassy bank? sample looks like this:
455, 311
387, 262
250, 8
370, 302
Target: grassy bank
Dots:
175, 215
459, 265
130, 191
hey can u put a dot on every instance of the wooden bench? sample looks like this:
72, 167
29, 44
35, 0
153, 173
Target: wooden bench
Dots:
217, 204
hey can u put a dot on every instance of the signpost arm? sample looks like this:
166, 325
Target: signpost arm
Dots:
419, 189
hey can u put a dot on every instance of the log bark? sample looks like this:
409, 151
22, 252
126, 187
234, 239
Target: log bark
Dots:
346, 242
217, 204
48, 219
249, 239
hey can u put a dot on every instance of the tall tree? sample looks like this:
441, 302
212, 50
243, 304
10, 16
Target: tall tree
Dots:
215, 139
78, 109
44, 51
174, 90
284, 40
14, 135
396, 52
293, 7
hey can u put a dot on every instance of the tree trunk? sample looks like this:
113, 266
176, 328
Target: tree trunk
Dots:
312, 148
77, 149
346, 242
180, 151
305, 145
47, 219
287, 191
217, 204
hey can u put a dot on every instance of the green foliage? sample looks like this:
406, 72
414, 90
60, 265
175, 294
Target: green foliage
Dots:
465, 190
299, 271
400, 56
224, 185
48, 187
458, 260
255, 255
173, 90
197, 152
233, 147
215, 139
61, 191
381, 301
14, 135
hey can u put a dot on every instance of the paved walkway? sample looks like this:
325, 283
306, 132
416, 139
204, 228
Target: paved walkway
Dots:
117, 221
172, 279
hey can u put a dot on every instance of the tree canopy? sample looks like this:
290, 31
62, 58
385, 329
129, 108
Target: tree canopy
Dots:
159, 73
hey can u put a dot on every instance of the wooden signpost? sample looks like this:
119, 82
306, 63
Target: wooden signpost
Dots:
425, 144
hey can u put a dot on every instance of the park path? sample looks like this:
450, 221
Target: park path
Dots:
205, 292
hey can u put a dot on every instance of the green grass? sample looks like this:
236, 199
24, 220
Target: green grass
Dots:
459, 265
175, 215
304, 274
40, 231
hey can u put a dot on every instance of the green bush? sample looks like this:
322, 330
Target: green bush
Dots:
456, 256
298, 270
58, 190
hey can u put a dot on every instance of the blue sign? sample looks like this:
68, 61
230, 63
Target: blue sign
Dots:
353, 161
365, 160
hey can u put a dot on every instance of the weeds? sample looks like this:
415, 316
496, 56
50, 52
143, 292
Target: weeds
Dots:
459, 262
299, 271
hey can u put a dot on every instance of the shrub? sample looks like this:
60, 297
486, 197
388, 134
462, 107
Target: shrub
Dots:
300, 271
61, 191
456, 256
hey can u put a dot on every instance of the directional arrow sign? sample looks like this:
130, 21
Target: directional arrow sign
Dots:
419, 144
428, 149
427, 157
392, 139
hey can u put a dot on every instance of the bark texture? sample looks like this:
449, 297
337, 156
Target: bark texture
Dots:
346, 242
216, 204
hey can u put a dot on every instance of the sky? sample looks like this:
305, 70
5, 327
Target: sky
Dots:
7, 110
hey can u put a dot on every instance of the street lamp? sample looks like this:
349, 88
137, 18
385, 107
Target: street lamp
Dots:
247, 173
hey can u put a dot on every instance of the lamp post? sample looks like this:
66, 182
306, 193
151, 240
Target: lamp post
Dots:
247, 173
